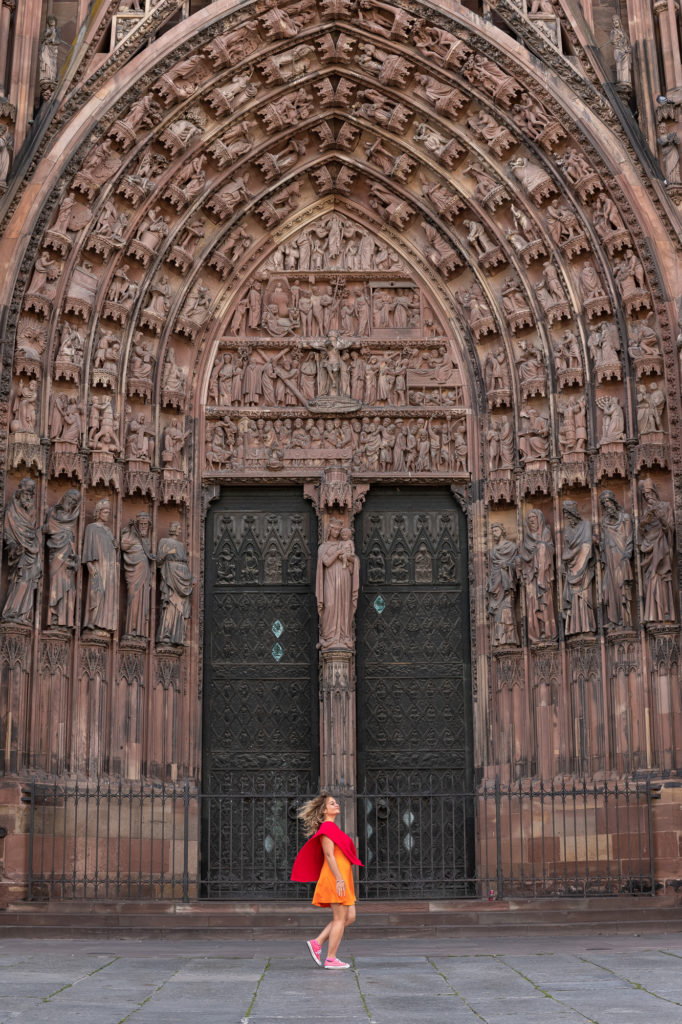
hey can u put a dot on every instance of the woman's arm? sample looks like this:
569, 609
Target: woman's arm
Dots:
328, 850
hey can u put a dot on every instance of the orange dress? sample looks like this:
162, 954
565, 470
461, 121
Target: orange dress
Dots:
325, 890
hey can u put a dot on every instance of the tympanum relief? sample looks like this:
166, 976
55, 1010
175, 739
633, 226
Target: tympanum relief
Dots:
325, 364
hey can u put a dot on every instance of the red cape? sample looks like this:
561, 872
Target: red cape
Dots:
310, 859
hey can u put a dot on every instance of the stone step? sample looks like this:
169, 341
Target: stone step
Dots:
375, 920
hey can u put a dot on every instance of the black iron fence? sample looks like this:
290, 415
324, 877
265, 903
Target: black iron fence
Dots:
166, 841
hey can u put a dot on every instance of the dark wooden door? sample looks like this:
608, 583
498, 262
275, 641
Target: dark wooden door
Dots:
414, 695
260, 728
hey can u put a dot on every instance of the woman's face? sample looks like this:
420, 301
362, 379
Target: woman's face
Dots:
331, 806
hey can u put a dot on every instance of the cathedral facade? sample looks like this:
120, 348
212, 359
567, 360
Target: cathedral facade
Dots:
340, 401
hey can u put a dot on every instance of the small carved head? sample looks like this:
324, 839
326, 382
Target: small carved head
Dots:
102, 510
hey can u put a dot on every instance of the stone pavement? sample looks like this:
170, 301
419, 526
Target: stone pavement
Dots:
602, 979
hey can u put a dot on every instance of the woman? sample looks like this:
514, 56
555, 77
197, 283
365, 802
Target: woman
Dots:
326, 859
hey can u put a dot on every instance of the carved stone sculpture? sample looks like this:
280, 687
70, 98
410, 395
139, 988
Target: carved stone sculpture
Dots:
100, 611
337, 587
137, 562
99, 167
629, 274
530, 365
66, 421
573, 430
534, 438
502, 586
174, 438
174, 378
49, 58
139, 440
6, 149
604, 345
613, 419
25, 408
177, 585
591, 291
650, 406
534, 179
501, 444
537, 573
622, 54
102, 425
669, 145
389, 68
578, 571
656, 531
60, 530
24, 554
616, 549
439, 252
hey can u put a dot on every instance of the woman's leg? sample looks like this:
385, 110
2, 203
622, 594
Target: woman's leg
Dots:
324, 934
350, 916
336, 929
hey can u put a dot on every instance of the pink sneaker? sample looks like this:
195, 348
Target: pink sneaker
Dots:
335, 965
315, 951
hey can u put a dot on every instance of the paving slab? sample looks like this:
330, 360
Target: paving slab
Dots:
599, 979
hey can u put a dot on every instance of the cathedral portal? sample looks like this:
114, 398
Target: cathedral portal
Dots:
340, 408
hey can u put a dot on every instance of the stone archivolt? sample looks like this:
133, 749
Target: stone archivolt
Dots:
323, 239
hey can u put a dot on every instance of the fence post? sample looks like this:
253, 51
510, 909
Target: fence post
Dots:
650, 812
185, 845
31, 833
498, 835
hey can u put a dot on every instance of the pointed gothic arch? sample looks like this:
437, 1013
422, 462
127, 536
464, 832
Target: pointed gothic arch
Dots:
190, 164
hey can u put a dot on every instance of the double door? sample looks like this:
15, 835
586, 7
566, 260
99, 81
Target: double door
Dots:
261, 724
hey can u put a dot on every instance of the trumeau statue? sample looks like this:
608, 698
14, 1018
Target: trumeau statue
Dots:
502, 586
578, 570
177, 585
616, 548
137, 562
60, 530
656, 531
537, 573
100, 610
337, 587
24, 554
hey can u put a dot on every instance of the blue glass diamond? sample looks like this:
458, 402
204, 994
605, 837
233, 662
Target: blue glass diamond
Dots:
277, 628
379, 604
277, 652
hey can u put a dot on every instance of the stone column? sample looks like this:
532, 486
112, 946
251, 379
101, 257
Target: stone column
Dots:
667, 12
6, 8
337, 732
23, 81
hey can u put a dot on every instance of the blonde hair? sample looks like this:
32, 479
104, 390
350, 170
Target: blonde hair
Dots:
312, 812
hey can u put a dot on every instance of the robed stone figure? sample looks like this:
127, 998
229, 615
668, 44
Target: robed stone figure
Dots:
537, 573
99, 555
656, 547
60, 531
177, 585
336, 587
24, 555
502, 585
616, 547
578, 569
137, 567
